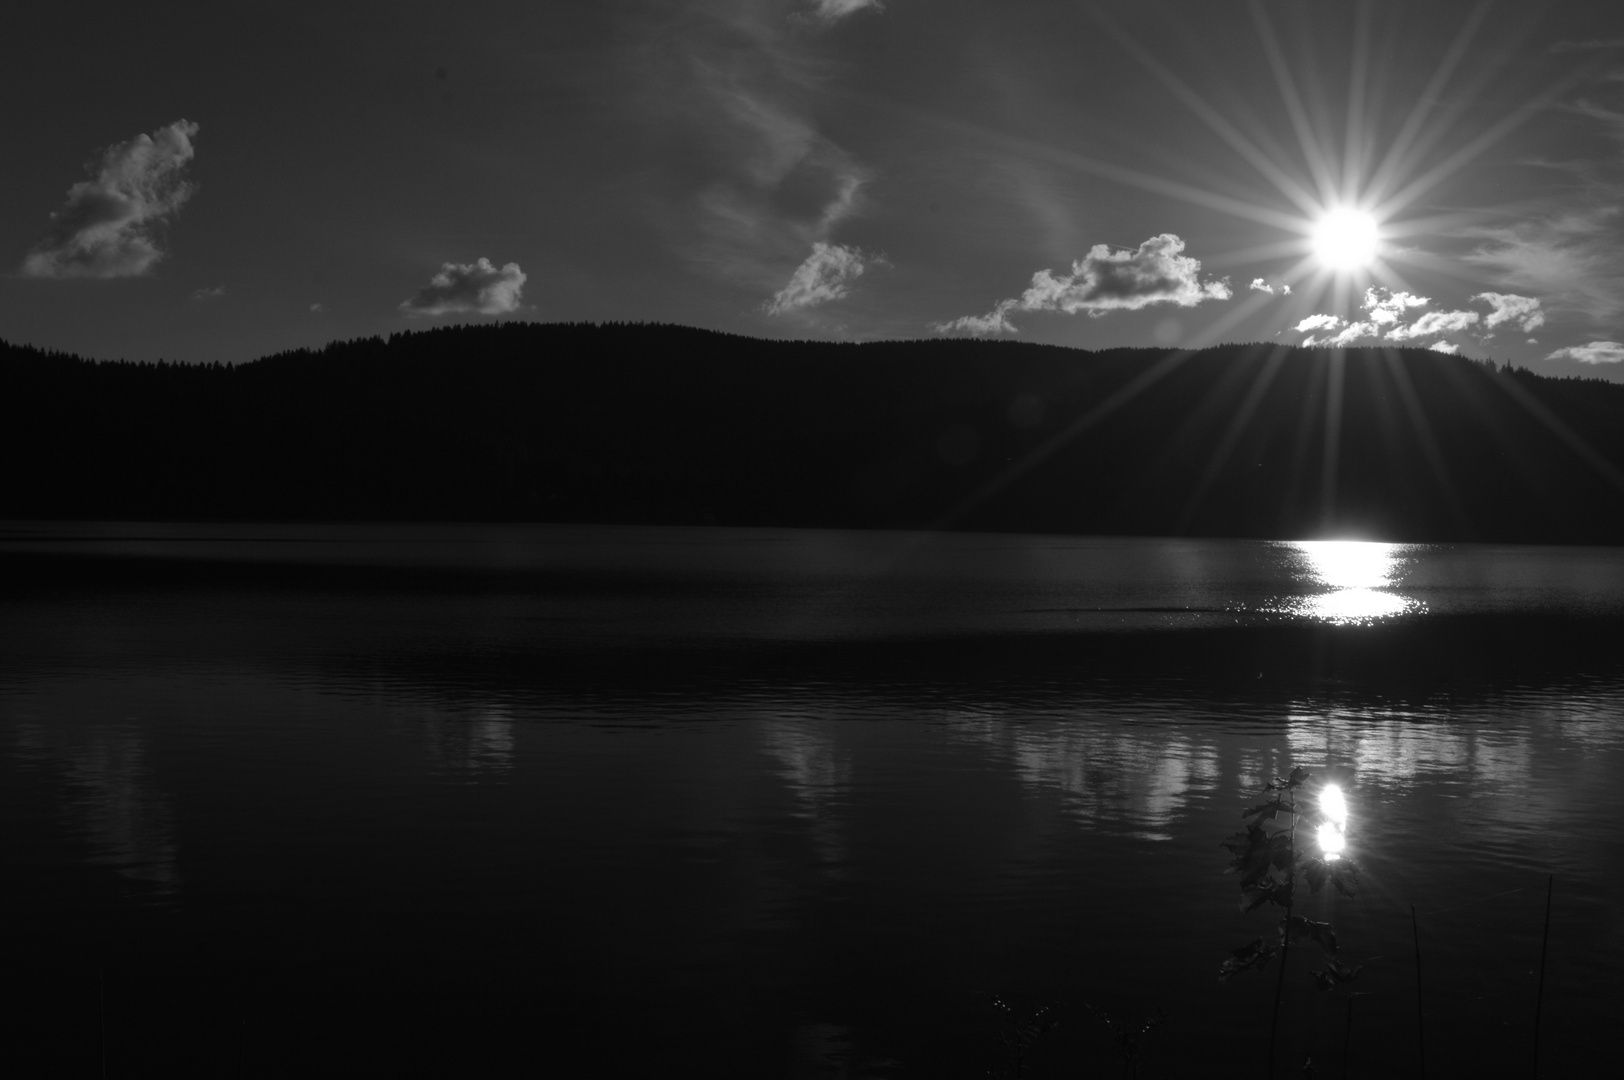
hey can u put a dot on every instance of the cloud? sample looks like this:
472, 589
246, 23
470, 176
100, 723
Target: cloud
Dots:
826, 275
1597, 352
1388, 316
995, 321
832, 10
209, 294
1444, 347
1575, 260
317, 308
109, 227
1390, 309
1318, 322
1261, 286
1105, 281
476, 288
1435, 322
1585, 46
1520, 311
738, 82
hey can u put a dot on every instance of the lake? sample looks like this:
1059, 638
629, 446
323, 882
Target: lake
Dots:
481, 800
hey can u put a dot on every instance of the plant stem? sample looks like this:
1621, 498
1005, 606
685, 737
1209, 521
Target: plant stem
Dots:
1347, 1038
1285, 947
1539, 998
1420, 1030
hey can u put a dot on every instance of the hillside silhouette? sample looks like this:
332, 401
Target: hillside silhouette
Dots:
665, 424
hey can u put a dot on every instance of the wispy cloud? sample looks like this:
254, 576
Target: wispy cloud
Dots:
1573, 260
109, 227
476, 288
1597, 352
1570, 253
740, 79
209, 293
1588, 46
831, 11
826, 275
1105, 281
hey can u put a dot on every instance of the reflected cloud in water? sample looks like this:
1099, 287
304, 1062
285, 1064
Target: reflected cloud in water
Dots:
817, 773
1140, 778
1354, 582
112, 798
476, 745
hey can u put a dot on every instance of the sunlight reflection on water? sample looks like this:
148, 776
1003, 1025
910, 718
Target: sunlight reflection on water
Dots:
1356, 577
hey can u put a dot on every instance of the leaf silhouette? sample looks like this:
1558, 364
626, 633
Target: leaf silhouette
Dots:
1316, 872
1268, 809
1322, 934
1255, 954
1334, 975
1344, 876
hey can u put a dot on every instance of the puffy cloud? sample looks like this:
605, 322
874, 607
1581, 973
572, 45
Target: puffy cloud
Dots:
1261, 286
1125, 280
1597, 352
1444, 347
476, 288
832, 10
826, 275
1318, 322
1435, 322
1521, 311
1389, 309
1106, 280
109, 226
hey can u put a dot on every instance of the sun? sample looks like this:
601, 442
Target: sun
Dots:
1345, 239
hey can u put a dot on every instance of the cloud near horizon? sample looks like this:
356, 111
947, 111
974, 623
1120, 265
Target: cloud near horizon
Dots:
1388, 317
476, 288
108, 227
1597, 352
1157, 273
826, 275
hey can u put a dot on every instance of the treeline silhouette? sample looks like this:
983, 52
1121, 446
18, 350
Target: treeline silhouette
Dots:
666, 424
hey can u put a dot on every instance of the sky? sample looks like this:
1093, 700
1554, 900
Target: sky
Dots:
220, 181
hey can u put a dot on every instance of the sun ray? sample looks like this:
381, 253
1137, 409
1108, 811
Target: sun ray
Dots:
1267, 167
1405, 389
1233, 431
1398, 150
1353, 137
1313, 151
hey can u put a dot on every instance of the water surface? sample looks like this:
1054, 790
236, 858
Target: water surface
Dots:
466, 800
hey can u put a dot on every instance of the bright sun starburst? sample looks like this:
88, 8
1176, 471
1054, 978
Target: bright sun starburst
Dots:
1345, 239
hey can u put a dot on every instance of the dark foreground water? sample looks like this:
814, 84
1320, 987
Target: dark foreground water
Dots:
750, 803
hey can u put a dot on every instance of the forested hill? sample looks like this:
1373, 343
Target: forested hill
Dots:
661, 424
